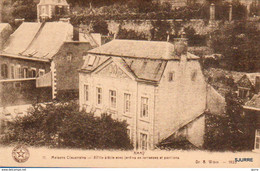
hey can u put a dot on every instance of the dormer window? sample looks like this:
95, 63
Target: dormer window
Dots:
91, 60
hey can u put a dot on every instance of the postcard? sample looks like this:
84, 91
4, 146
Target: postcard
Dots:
130, 83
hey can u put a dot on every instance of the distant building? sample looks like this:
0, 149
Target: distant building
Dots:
26, 58
157, 87
47, 9
180, 3
248, 85
252, 111
41, 61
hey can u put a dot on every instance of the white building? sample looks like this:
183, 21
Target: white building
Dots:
157, 87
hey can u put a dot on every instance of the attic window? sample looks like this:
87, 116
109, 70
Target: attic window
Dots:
171, 76
91, 60
194, 75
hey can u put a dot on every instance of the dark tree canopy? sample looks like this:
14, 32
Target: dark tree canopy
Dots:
62, 125
239, 42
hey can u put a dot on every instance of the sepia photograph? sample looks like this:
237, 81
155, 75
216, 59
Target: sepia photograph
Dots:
130, 83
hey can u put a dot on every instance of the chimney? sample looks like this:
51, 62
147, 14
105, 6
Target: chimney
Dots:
212, 12
230, 12
257, 84
181, 45
75, 33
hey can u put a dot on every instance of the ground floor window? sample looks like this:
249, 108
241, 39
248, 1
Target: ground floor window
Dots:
257, 139
143, 141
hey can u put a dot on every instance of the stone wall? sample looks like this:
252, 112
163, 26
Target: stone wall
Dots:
200, 26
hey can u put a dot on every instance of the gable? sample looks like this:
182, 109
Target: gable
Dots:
244, 82
113, 70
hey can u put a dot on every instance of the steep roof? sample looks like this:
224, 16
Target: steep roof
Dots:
40, 40
143, 69
137, 48
146, 69
254, 102
252, 77
146, 60
22, 37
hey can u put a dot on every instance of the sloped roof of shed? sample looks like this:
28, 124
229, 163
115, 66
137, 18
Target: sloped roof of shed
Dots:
254, 102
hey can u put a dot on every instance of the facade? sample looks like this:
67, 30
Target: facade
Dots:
252, 111
47, 9
26, 64
248, 85
68, 61
157, 87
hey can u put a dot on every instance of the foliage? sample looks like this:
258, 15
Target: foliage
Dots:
100, 26
130, 34
231, 131
193, 38
239, 43
61, 125
19, 9
160, 30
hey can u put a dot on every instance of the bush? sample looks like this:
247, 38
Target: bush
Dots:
61, 125
130, 34
233, 131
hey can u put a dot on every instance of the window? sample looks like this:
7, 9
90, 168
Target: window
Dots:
69, 56
12, 71
112, 96
19, 71
257, 139
25, 73
99, 95
86, 92
144, 107
171, 76
4, 70
41, 72
33, 72
143, 141
91, 60
243, 93
193, 76
127, 102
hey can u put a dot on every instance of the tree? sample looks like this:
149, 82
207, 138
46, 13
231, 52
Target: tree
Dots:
239, 43
160, 30
232, 131
19, 9
130, 34
62, 125
100, 26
